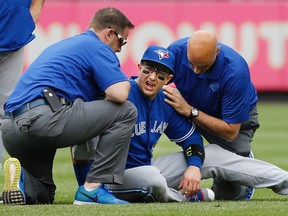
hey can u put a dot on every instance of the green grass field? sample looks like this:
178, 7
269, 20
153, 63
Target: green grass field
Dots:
270, 144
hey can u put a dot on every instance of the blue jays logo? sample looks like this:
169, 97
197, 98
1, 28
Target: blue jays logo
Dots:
162, 53
214, 87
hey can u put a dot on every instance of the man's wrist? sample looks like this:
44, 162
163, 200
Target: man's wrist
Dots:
195, 161
193, 113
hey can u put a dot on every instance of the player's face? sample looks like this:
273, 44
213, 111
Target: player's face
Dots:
151, 80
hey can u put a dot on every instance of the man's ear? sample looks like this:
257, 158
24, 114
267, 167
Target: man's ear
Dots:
168, 79
109, 34
139, 68
218, 50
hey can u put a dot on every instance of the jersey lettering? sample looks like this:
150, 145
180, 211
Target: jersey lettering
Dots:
140, 128
159, 128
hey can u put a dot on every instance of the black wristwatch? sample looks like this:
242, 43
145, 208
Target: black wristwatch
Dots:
194, 113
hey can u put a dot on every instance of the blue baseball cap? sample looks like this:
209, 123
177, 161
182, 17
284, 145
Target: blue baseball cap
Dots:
160, 55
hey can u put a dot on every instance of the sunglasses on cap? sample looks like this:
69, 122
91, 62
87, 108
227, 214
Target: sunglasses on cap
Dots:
148, 69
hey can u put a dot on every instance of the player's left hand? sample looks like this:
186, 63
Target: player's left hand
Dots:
190, 181
176, 100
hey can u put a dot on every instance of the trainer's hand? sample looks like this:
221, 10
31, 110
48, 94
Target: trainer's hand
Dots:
190, 181
176, 100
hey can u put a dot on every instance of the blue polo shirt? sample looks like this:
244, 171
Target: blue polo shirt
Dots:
225, 91
78, 67
16, 24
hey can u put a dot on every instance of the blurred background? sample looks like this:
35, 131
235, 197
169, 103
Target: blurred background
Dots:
258, 29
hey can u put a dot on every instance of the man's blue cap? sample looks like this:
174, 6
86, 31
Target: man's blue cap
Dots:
160, 55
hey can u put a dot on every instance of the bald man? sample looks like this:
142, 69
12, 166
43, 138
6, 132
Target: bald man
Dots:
217, 94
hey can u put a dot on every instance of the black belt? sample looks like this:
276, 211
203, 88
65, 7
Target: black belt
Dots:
24, 108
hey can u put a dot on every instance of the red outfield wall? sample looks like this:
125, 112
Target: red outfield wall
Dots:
257, 29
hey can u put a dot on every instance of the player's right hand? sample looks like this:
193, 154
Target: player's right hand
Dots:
190, 181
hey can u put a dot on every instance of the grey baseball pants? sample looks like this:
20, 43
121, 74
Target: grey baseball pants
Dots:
11, 68
160, 181
241, 146
34, 137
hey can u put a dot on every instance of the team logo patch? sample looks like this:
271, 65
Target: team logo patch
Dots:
162, 53
214, 87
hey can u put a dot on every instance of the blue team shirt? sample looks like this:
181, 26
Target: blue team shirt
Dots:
225, 91
16, 24
78, 67
155, 118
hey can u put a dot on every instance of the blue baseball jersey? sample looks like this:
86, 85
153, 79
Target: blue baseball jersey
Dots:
78, 67
155, 118
16, 24
225, 91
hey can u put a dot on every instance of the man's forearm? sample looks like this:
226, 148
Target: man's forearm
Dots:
36, 9
217, 126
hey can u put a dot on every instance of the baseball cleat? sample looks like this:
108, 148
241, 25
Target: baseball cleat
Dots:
203, 195
100, 195
250, 193
12, 194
